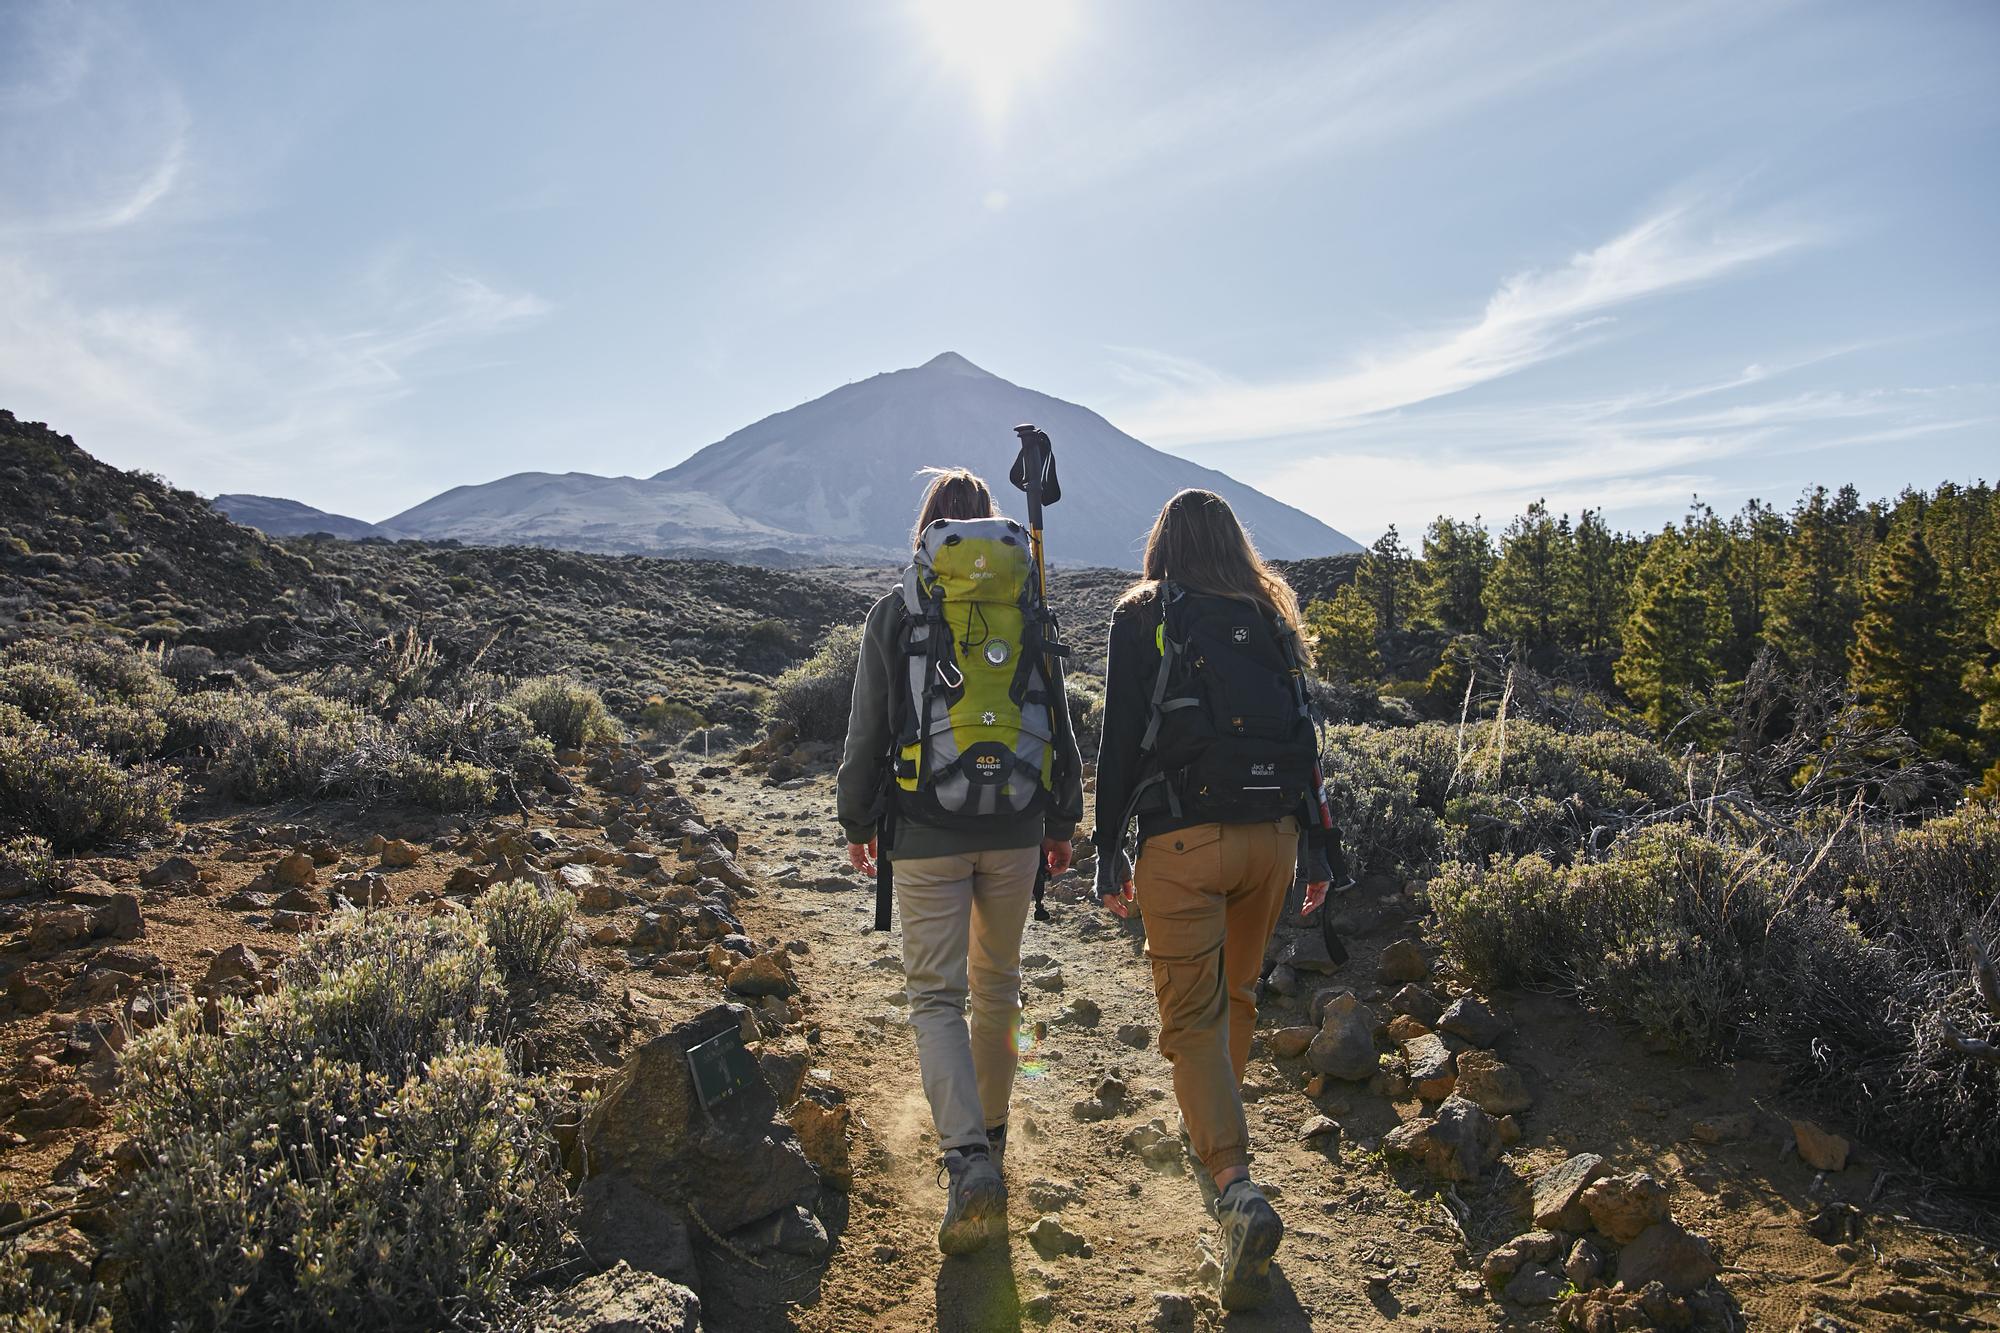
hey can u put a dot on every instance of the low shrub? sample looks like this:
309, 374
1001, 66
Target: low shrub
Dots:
107, 671
528, 928
668, 719
1413, 797
478, 731
269, 746
449, 786
106, 697
1723, 952
76, 797
1378, 804
32, 1302
813, 697
567, 713
350, 1151
28, 865
1086, 713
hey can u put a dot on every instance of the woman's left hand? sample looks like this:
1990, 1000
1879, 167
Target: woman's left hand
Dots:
1056, 854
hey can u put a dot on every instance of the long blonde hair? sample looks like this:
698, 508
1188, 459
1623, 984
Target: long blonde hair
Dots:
1198, 543
954, 492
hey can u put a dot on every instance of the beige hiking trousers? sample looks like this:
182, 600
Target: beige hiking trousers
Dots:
1211, 896
962, 922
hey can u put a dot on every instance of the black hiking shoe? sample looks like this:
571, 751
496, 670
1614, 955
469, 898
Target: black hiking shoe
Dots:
1251, 1231
976, 1206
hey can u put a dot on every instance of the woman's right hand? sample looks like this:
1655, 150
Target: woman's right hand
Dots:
1114, 883
861, 855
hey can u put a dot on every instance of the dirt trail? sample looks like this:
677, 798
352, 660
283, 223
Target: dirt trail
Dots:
1369, 1245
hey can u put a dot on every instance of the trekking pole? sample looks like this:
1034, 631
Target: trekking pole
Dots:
1034, 472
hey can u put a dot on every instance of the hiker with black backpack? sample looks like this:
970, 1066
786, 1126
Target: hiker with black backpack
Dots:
960, 777
1210, 743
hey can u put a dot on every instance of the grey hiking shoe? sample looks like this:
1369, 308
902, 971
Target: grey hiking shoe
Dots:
976, 1205
1251, 1231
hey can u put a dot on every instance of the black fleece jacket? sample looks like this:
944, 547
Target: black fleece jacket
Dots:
1130, 671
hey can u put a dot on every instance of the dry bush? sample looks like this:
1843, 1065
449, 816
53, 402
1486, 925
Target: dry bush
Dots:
528, 929
352, 1151
1408, 799
1086, 712
28, 865
32, 1302
269, 746
813, 697
1727, 951
566, 712
77, 798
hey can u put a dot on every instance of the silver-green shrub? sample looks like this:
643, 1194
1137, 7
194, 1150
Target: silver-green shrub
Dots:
351, 1151
528, 929
565, 711
76, 797
813, 697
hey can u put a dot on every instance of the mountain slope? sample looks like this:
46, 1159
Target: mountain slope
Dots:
84, 543
845, 465
836, 478
279, 517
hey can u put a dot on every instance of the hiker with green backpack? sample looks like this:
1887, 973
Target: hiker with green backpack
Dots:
1210, 742
960, 777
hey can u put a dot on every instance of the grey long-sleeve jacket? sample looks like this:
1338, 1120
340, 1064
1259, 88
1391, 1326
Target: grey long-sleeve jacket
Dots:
862, 781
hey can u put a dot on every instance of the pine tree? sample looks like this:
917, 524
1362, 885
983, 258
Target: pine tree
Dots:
1527, 589
1815, 603
1982, 682
1457, 559
1597, 588
1675, 633
1387, 579
1754, 566
1342, 632
1905, 660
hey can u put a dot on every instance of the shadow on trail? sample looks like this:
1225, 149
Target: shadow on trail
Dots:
976, 1293
1283, 1311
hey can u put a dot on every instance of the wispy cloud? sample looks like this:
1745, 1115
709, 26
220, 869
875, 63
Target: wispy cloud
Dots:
1410, 70
106, 144
165, 375
94, 137
1532, 318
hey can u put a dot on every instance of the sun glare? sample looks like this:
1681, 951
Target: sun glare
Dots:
996, 46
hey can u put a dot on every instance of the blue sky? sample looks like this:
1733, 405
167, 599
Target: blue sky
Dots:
1382, 260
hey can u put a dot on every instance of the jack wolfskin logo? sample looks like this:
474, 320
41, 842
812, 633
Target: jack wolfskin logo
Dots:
1263, 770
1241, 634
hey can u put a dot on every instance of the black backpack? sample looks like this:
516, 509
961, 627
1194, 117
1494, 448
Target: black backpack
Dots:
1230, 737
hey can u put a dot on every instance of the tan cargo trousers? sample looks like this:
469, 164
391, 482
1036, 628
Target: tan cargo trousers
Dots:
962, 922
1211, 896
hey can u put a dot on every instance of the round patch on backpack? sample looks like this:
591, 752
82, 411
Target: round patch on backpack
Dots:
987, 763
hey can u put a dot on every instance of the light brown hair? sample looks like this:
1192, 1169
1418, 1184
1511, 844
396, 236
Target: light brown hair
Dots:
1198, 543
953, 492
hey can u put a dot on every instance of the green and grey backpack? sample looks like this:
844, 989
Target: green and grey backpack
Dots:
979, 715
